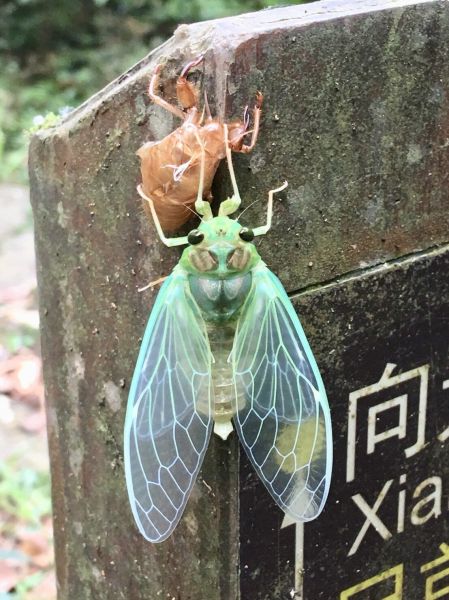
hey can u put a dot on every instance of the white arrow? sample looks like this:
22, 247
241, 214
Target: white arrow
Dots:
297, 593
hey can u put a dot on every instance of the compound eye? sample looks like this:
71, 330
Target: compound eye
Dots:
195, 237
246, 234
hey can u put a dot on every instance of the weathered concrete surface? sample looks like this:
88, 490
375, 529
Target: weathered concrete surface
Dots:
356, 118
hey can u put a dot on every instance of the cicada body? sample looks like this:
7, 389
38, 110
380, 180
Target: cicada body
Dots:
170, 167
224, 348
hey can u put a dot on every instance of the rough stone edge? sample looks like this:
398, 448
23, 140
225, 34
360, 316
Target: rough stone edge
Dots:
388, 266
223, 37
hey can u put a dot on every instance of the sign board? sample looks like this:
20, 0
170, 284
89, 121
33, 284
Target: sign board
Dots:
385, 531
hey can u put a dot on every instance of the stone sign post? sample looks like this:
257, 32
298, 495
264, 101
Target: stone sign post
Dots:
356, 118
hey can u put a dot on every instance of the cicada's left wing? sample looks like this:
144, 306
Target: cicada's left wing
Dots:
281, 411
168, 420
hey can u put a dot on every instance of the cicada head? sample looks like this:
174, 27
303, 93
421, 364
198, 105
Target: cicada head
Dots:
220, 248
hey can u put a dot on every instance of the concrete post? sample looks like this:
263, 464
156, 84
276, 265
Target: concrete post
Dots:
356, 118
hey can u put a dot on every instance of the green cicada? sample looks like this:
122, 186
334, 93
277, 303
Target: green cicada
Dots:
223, 343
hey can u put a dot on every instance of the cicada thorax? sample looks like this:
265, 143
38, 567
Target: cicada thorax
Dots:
220, 301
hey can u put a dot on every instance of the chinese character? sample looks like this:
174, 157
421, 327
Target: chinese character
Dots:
444, 435
431, 593
396, 577
401, 402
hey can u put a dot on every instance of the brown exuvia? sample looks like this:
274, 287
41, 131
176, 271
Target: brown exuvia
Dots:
171, 167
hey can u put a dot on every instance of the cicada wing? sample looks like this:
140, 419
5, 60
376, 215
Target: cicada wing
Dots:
281, 412
168, 419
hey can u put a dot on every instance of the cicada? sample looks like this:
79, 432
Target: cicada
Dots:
170, 167
224, 348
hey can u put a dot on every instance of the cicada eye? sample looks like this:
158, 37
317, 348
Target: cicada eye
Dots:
246, 234
195, 237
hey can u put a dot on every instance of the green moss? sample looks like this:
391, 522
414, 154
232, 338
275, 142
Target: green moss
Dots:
45, 122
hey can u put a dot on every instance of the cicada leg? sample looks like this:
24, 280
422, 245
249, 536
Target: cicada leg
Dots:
246, 148
186, 91
152, 284
170, 242
202, 207
241, 128
263, 229
207, 107
230, 205
160, 101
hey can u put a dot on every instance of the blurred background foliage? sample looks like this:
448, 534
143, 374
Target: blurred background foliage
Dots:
54, 55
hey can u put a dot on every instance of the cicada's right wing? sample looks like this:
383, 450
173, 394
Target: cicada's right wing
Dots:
168, 419
281, 413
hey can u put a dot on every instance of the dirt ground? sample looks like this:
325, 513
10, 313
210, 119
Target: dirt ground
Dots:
18, 309
26, 549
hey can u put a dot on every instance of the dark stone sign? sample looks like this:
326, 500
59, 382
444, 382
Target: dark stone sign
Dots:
382, 343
